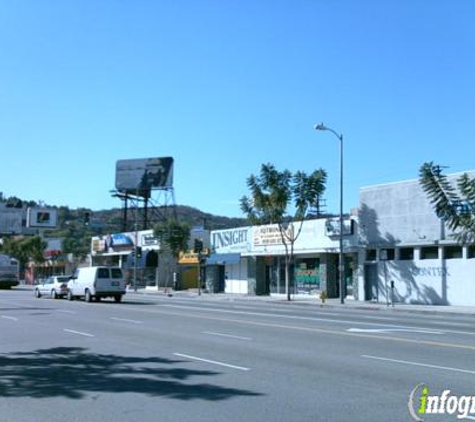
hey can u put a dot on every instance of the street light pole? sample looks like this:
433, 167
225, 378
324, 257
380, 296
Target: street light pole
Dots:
341, 264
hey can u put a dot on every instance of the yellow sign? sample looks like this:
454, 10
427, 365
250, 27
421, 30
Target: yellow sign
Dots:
188, 258
192, 257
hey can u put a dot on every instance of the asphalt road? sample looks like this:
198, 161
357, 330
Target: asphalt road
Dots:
154, 358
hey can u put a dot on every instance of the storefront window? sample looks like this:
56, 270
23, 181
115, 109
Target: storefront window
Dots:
371, 255
453, 252
430, 252
307, 275
275, 276
406, 254
386, 254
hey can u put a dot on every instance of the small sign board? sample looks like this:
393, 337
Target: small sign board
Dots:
42, 218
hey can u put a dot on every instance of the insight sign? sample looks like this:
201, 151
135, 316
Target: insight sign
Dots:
233, 240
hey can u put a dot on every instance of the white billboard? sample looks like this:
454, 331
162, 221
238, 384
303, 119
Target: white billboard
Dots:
42, 218
141, 175
11, 220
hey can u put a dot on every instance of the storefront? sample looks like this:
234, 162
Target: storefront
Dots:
136, 252
263, 252
227, 268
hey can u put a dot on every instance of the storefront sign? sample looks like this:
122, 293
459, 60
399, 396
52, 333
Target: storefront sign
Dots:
148, 239
121, 243
271, 235
188, 258
112, 243
306, 277
235, 240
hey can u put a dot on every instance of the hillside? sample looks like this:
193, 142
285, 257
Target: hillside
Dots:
112, 220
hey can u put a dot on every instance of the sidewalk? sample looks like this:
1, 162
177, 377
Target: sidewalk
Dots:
311, 300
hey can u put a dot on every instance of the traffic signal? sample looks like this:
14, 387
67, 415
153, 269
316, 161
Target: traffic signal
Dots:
87, 217
136, 252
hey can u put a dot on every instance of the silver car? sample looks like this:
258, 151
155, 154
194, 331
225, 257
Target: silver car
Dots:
53, 287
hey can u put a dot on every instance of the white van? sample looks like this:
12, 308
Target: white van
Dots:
96, 283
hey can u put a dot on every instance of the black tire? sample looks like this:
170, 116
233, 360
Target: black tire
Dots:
118, 298
37, 293
88, 296
70, 295
54, 295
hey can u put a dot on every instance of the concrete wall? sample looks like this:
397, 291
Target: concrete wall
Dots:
425, 281
396, 213
236, 278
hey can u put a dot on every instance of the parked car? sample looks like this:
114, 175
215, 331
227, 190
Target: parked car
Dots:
97, 283
54, 287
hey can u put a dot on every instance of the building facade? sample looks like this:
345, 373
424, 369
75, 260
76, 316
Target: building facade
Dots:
251, 260
407, 253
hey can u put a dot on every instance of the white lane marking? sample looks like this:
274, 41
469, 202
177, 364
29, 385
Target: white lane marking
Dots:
213, 362
305, 318
9, 317
435, 319
78, 332
425, 365
226, 335
133, 321
235, 305
391, 330
65, 311
469, 417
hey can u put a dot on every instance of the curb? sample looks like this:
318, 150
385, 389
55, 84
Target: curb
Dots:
312, 303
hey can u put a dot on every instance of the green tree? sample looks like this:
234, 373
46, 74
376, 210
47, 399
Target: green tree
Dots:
284, 199
454, 204
25, 249
173, 237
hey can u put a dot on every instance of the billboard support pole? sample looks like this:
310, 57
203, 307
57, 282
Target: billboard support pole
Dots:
135, 259
124, 223
135, 250
145, 212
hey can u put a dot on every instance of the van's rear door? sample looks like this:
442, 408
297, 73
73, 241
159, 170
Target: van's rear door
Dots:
110, 280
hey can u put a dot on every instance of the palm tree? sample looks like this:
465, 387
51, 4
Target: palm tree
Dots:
455, 205
284, 199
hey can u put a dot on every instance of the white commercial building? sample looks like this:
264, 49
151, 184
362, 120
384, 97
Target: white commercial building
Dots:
252, 259
395, 248
407, 252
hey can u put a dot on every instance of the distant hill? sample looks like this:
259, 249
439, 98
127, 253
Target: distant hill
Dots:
72, 222
114, 219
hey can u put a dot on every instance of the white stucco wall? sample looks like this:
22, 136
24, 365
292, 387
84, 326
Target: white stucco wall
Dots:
428, 281
396, 215
236, 278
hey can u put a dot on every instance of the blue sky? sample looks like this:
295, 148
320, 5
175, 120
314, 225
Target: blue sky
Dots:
226, 85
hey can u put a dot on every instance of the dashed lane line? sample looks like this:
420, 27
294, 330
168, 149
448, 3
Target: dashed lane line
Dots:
227, 335
78, 333
213, 362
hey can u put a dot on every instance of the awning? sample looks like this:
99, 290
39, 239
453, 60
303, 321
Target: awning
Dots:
224, 258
